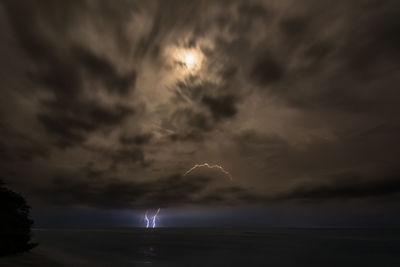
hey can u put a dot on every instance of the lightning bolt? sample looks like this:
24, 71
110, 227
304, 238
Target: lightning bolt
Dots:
147, 220
210, 167
155, 217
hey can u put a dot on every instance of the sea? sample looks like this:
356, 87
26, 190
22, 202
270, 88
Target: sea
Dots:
215, 247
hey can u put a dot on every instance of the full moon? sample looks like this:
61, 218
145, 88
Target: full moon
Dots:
190, 60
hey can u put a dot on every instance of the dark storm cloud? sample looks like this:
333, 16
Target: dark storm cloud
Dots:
164, 192
140, 139
247, 16
316, 54
229, 72
190, 89
200, 122
126, 156
233, 195
252, 10
288, 95
315, 177
380, 42
100, 68
210, 104
32, 20
221, 107
350, 70
349, 188
69, 115
266, 70
196, 124
20, 148
271, 148
64, 68
147, 43
25, 20
295, 28
343, 187
192, 122
70, 122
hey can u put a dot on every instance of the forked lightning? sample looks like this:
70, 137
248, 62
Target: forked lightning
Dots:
210, 167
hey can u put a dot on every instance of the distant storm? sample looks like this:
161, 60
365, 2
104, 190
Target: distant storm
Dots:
216, 112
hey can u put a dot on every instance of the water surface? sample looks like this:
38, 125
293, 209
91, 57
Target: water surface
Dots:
220, 247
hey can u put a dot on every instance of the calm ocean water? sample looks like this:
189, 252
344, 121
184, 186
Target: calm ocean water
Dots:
221, 247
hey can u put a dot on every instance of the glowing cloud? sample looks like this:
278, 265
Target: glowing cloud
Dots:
210, 167
189, 59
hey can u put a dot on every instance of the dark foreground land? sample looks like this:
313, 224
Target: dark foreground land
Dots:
212, 247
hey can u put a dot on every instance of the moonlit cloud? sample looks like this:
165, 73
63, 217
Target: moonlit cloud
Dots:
107, 104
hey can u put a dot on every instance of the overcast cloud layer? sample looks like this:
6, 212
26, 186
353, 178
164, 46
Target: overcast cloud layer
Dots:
298, 100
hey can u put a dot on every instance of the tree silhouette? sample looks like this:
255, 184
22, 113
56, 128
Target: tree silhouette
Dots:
15, 224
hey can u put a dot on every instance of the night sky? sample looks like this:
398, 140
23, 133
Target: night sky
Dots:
105, 105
